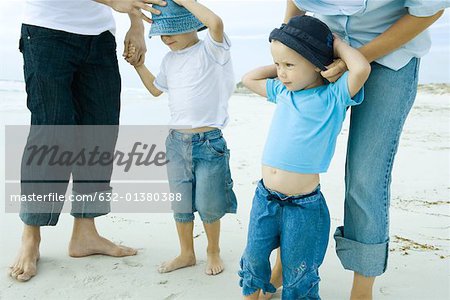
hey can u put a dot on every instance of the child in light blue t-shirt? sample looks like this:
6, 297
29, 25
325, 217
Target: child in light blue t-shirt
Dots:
288, 210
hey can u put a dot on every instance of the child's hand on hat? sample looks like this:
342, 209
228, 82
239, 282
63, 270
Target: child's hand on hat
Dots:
338, 67
181, 2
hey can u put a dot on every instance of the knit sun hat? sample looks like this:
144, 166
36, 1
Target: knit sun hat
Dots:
174, 19
309, 37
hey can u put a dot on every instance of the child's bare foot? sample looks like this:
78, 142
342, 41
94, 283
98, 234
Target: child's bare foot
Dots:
25, 266
181, 261
276, 280
214, 264
86, 241
268, 295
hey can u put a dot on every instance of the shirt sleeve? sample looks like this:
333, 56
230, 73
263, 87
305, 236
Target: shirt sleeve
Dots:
425, 8
161, 79
219, 52
339, 90
274, 87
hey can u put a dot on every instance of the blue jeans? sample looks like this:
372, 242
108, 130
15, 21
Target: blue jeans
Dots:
70, 79
300, 226
199, 170
375, 128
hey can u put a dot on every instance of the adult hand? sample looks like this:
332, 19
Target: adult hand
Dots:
135, 37
135, 7
335, 70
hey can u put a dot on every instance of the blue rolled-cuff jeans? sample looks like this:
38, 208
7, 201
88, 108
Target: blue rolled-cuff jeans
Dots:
70, 79
362, 244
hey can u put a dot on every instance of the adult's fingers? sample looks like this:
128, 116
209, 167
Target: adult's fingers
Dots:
143, 16
146, 7
331, 72
126, 44
157, 2
338, 66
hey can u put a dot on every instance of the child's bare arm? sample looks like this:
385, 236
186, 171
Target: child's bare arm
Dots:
206, 16
256, 80
357, 64
146, 76
148, 80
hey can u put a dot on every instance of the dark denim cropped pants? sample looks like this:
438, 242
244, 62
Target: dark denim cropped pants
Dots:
70, 79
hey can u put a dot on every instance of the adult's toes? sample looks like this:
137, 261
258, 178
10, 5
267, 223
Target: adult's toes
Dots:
16, 272
24, 277
126, 251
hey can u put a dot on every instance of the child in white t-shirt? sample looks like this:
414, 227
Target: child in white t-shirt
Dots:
198, 76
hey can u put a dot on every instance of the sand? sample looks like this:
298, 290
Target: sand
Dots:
420, 241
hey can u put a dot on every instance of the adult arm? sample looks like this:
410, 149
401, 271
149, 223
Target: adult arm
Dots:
401, 32
135, 37
292, 10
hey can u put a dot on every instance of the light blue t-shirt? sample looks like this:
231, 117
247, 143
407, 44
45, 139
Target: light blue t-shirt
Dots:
305, 125
360, 21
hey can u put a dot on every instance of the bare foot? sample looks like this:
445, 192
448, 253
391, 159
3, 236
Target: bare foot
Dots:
25, 266
362, 287
98, 245
267, 295
179, 262
277, 281
214, 264
86, 241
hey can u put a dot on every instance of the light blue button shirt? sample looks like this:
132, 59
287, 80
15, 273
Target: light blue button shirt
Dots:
360, 21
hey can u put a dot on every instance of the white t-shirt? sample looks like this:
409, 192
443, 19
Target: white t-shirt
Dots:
200, 81
85, 17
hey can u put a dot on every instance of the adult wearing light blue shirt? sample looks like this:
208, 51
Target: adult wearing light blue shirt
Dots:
392, 36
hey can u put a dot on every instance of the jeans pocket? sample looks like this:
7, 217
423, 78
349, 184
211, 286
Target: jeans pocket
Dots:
217, 146
35, 32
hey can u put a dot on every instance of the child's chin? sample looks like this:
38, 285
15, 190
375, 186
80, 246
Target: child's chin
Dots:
291, 88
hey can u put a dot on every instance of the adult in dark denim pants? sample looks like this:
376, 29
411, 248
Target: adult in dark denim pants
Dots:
72, 78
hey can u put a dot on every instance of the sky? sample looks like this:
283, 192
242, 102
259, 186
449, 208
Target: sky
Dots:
247, 23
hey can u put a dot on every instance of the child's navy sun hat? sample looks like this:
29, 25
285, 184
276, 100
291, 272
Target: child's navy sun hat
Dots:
309, 37
174, 19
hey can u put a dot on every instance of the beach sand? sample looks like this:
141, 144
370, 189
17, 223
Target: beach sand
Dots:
418, 267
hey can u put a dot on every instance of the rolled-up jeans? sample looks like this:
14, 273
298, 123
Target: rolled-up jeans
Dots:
375, 128
70, 79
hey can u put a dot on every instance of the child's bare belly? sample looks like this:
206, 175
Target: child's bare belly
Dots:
289, 183
197, 130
